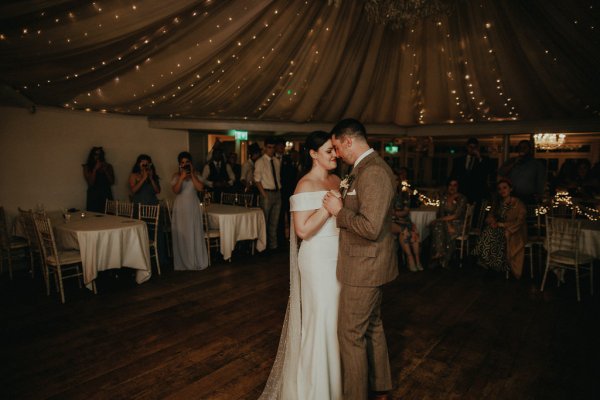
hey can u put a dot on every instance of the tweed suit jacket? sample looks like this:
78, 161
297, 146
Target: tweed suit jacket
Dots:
367, 255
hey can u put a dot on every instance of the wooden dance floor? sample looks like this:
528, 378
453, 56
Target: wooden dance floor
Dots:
453, 334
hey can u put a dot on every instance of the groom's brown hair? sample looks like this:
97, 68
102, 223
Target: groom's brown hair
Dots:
349, 127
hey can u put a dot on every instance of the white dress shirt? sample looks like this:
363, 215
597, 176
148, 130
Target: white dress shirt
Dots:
263, 173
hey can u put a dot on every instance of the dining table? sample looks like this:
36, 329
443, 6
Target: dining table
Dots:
236, 223
589, 239
105, 242
421, 217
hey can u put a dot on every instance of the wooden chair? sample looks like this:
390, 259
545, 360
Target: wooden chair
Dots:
150, 215
463, 238
35, 250
246, 199
560, 210
562, 245
211, 236
111, 207
229, 198
124, 209
63, 264
535, 234
477, 227
9, 245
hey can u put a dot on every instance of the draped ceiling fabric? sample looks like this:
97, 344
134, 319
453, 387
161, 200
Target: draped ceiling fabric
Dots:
302, 61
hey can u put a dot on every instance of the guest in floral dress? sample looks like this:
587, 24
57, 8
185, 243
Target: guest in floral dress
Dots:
408, 237
448, 224
501, 246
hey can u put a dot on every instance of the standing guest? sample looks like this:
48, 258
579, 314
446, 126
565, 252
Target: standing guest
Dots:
217, 174
290, 174
236, 168
99, 176
144, 182
267, 177
447, 226
473, 172
581, 182
408, 237
528, 175
501, 246
247, 176
189, 247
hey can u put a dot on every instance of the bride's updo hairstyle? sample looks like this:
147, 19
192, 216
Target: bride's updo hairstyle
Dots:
314, 141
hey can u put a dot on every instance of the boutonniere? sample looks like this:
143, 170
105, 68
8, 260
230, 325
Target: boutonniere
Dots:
345, 184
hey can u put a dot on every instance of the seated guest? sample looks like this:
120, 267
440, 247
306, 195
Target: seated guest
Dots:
408, 236
501, 246
448, 224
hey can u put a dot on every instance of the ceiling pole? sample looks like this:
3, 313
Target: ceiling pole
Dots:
505, 147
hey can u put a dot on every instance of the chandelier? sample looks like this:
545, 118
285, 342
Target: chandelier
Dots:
549, 141
398, 13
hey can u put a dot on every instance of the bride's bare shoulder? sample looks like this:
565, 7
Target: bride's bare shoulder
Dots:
306, 184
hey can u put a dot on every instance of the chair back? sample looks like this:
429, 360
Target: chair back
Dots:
229, 198
110, 207
203, 210
483, 211
562, 234
246, 199
467, 220
536, 227
4, 236
150, 215
125, 209
26, 218
561, 210
46, 238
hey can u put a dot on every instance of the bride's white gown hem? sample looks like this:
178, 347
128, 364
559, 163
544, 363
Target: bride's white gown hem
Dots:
307, 366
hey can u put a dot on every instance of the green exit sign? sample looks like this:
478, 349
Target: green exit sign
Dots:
239, 135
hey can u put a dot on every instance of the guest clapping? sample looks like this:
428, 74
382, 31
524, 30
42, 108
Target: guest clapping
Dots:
446, 228
501, 246
99, 176
143, 181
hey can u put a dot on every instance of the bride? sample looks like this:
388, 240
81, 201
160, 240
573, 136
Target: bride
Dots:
307, 365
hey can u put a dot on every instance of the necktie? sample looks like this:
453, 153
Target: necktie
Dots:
470, 163
274, 175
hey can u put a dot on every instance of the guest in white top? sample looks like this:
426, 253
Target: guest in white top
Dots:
247, 177
267, 177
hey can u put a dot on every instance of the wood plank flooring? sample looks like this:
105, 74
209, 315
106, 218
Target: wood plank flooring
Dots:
453, 334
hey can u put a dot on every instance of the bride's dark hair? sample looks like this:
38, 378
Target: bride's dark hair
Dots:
313, 141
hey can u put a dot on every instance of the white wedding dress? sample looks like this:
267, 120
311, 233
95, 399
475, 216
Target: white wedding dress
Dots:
307, 365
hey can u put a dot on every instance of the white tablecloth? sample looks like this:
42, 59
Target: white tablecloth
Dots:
106, 242
237, 223
589, 242
421, 217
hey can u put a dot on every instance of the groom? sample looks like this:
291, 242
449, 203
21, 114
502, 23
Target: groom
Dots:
366, 261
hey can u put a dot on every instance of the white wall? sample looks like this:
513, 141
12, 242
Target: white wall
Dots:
41, 154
